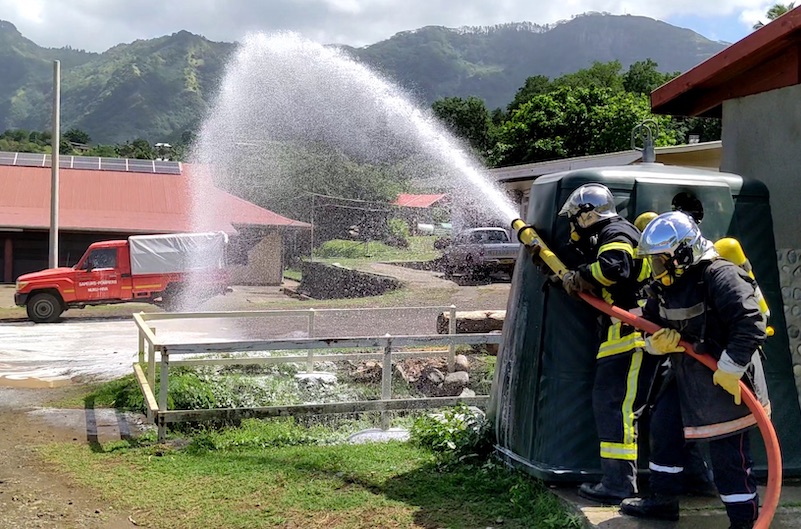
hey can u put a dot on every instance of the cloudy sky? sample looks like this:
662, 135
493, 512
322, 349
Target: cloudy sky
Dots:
96, 25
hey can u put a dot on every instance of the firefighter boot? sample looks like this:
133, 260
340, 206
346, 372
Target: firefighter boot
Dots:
656, 506
617, 484
741, 524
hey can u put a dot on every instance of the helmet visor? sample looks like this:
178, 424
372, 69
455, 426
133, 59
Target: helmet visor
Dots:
660, 265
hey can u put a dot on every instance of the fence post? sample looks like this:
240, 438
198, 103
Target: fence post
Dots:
151, 363
163, 387
310, 352
141, 337
452, 345
386, 381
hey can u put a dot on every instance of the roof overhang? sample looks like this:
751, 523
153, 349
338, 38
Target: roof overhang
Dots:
767, 59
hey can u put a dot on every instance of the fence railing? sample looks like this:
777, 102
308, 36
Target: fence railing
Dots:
151, 343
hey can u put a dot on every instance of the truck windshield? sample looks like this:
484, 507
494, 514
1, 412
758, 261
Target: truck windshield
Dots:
101, 258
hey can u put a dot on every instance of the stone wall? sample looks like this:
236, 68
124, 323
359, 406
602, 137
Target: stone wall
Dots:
325, 281
790, 279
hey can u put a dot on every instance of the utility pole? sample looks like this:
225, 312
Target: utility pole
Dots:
54, 162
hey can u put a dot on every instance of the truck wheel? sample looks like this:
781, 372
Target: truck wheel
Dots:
44, 308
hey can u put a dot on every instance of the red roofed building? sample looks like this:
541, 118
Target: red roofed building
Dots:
417, 201
97, 204
420, 211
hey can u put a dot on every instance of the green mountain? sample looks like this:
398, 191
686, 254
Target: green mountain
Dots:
161, 87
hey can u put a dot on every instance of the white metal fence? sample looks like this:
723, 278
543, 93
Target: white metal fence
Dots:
168, 349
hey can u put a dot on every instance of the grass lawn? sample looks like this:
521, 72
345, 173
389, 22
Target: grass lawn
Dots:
350, 253
243, 480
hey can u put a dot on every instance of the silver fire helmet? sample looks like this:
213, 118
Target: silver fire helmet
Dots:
590, 197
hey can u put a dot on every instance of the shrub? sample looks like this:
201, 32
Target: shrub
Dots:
455, 435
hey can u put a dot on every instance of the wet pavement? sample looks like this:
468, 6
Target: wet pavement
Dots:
46, 355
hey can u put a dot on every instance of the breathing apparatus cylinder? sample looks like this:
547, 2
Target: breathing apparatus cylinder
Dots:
731, 250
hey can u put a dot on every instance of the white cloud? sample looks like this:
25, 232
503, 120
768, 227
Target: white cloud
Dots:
99, 24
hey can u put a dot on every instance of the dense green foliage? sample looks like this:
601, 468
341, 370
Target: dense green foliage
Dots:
159, 89
591, 111
456, 435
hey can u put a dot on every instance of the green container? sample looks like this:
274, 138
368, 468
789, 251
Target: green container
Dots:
541, 403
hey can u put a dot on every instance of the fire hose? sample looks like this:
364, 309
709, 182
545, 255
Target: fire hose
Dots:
528, 236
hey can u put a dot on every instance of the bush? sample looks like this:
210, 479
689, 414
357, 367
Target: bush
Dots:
455, 435
398, 228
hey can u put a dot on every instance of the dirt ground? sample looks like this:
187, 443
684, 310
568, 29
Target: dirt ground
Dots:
34, 495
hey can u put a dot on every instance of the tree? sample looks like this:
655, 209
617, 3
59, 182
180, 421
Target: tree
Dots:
466, 118
775, 12
643, 77
105, 151
139, 148
534, 86
599, 75
77, 136
574, 121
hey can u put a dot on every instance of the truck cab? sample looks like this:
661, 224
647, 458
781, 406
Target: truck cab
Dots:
103, 274
169, 270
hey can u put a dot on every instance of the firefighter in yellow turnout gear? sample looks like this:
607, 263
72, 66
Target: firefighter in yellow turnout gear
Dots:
624, 373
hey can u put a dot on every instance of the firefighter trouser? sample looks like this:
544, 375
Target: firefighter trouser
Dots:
668, 447
731, 460
623, 377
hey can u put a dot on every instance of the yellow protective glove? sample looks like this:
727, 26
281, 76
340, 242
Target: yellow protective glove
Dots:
665, 341
730, 382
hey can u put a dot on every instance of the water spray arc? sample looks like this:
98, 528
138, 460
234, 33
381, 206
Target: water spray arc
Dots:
282, 96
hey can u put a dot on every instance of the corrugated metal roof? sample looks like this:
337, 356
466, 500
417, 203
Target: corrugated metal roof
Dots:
119, 202
417, 201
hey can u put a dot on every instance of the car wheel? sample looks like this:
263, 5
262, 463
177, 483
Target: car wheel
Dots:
44, 308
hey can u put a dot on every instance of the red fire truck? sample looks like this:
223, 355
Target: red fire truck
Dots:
171, 270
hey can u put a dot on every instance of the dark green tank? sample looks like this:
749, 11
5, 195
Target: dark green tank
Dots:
541, 397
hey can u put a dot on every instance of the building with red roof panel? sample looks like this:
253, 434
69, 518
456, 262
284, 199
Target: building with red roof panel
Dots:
103, 203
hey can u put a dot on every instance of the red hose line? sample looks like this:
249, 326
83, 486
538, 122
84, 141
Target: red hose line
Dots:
773, 490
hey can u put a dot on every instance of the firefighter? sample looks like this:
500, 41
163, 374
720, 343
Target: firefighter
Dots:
607, 244
709, 301
643, 219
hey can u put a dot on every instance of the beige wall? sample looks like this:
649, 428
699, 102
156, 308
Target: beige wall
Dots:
705, 159
762, 140
264, 263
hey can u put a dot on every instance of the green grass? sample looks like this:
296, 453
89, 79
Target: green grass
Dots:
267, 474
420, 248
293, 274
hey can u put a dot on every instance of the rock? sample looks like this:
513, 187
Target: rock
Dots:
454, 383
457, 377
430, 382
461, 363
435, 376
369, 371
316, 379
467, 392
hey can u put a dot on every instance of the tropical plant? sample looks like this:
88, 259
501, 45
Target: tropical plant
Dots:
775, 11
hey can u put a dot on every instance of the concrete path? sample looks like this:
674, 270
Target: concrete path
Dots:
706, 513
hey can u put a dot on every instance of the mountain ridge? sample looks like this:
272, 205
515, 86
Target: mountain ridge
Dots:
159, 88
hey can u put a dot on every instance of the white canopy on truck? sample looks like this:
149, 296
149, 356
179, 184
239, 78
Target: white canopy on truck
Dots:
177, 252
